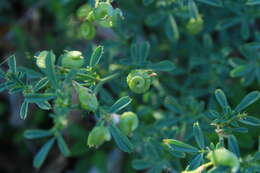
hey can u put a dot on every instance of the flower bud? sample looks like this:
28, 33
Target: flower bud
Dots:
195, 25
98, 136
40, 59
87, 98
128, 122
72, 59
223, 157
139, 81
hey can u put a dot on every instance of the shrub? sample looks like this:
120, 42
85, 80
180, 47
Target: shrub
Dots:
158, 86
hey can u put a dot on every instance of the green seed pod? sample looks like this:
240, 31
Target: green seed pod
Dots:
40, 59
84, 12
195, 25
98, 136
72, 59
223, 157
128, 122
87, 30
139, 81
102, 9
87, 98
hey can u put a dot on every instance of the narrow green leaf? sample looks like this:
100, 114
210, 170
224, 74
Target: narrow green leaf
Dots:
233, 145
196, 161
12, 64
121, 140
44, 105
42, 153
162, 66
180, 146
173, 31
40, 84
194, 13
221, 98
198, 134
63, 146
35, 98
96, 56
239, 71
249, 120
140, 164
139, 52
253, 2
37, 133
120, 104
24, 110
248, 100
157, 168
50, 70
216, 3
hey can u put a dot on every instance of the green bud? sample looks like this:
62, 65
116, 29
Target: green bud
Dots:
223, 157
98, 136
87, 30
128, 122
195, 25
87, 98
139, 81
72, 59
40, 59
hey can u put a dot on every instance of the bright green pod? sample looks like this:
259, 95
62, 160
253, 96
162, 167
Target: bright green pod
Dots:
87, 30
72, 59
87, 98
139, 81
195, 25
224, 157
128, 122
40, 59
98, 136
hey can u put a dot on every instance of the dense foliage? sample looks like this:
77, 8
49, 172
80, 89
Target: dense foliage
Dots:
172, 83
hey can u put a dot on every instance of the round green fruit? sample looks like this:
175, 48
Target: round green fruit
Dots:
224, 157
98, 136
139, 81
128, 122
102, 10
195, 25
87, 30
72, 59
87, 98
41, 57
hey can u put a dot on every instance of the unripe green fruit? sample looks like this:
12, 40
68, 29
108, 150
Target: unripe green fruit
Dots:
128, 122
102, 10
72, 59
98, 136
87, 30
195, 25
83, 12
139, 81
223, 157
40, 59
87, 98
